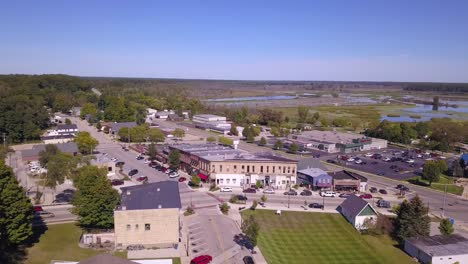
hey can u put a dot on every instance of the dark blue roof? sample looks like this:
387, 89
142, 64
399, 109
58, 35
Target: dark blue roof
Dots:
158, 195
464, 157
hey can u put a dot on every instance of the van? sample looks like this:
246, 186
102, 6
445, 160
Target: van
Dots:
328, 194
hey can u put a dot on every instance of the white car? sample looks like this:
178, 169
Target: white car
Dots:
358, 161
368, 155
225, 189
174, 175
328, 194
147, 161
114, 159
386, 159
410, 161
350, 159
269, 191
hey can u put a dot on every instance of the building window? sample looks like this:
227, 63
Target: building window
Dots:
283, 182
243, 167
227, 181
284, 169
147, 227
128, 227
274, 169
261, 169
136, 227
220, 168
268, 169
221, 181
235, 167
233, 181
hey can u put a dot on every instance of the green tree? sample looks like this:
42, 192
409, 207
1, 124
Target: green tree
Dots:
178, 133
95, 199
254, 205
446, 227
15, 211
302, 113
264, 198
278, 145
224, 207
99, 126
88, 109
155, 135
85, 142
293, 148
251, 229
262, 142
422, 129
196, 180
258, 183
412, 219
210, 139
225, 141
174, 159
152, 151
59, 167
431, 171
234, 130
45, 155
458, 170
68, 121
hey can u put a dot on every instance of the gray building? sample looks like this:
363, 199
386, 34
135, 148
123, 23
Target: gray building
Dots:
317, 177
33, 153
438, 249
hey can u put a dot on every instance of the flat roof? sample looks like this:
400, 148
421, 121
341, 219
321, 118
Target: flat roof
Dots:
441, 245
313, 172
347, 175
158, 195
329, 137
208, 116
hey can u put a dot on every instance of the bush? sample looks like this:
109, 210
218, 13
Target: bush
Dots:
224, 208
259, 184
295, 186
189, 211
264, 198
213, 187
234, 199
254, 205
196, 180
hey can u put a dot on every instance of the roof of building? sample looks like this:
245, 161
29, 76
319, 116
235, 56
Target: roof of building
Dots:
310, 163
208, 116
69, 147
347, 175
164, 194
464, 157
117, 126
65, 126
329, 137
60, 136
106, 259
313, 172
354, 205
441, 245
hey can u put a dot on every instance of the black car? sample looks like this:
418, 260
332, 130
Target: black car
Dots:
140, 157
306, 193
117, 182
383, 204
316, 205
241, 197
383, 191
373, 190
248, 260
119, 163
331, 161
250, 190
132, 172
158, 167
290, 192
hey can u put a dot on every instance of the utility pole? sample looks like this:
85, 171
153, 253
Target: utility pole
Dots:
323, 202
443, 205
4, 140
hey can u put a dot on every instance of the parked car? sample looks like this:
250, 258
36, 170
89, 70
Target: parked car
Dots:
386, 159
142, 178
147, 162
182, 179
203, 259
316, 205
269, 191
400, 186
373, 190
114, 159
290, 192
225, 189
174, 174
383, 191
158, 167
358, 161
43, 214
345, 195
140, 158
350, 159
37, 208
153, 164
374, 163
368, 155
119, 163
117, 182
241, 197
248, 260
306, 193
383, 204
328, 194
250, 190
331, 161
132, 172
366, 196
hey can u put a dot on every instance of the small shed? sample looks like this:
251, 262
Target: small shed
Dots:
438, 249
357, 211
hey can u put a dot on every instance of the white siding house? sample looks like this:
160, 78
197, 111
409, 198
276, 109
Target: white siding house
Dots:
357, 211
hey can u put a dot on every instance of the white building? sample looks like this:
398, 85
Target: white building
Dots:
208, 118
438, 249
357, 211
214, 123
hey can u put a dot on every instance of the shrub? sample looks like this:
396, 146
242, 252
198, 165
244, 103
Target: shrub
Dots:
189, 211
234, 199
264, 198
224, 208
213, 187
259, 184
254, 205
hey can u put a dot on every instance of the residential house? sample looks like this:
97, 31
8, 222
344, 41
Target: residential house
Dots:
148, 215
438, 249
318, 178
64, 129
56, 139
357, 211
114, 128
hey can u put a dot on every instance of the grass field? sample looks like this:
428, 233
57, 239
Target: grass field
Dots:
300, 237
440, 185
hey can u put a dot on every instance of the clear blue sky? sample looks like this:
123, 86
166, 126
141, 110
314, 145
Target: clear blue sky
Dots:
371, 40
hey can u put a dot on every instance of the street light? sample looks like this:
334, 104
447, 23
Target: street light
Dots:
445, 198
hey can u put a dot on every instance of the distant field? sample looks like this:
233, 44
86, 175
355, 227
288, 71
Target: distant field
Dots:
300, 237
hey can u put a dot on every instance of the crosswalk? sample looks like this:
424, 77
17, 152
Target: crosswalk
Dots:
196, 199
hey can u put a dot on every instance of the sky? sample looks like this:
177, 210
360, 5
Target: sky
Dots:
346, 40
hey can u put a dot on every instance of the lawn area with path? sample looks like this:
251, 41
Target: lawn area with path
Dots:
440, 185
306, 237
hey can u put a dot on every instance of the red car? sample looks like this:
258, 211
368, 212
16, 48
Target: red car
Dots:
365, 196
250, 190
203, 259
182, 179
37, 208
142, 178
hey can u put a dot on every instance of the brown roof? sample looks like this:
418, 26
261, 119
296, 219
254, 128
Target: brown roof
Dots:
106, 259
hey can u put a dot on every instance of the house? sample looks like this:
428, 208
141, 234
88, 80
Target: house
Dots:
317, 177
33, 153
64, 129
357, 211
174, 117
114, 128
105, 162
148, 215
56, 139
438, 249
348, 181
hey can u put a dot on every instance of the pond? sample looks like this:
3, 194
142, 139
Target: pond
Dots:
253, 98
425, 112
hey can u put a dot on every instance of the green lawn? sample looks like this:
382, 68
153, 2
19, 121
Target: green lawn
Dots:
440, 185
60, 242
301, 237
